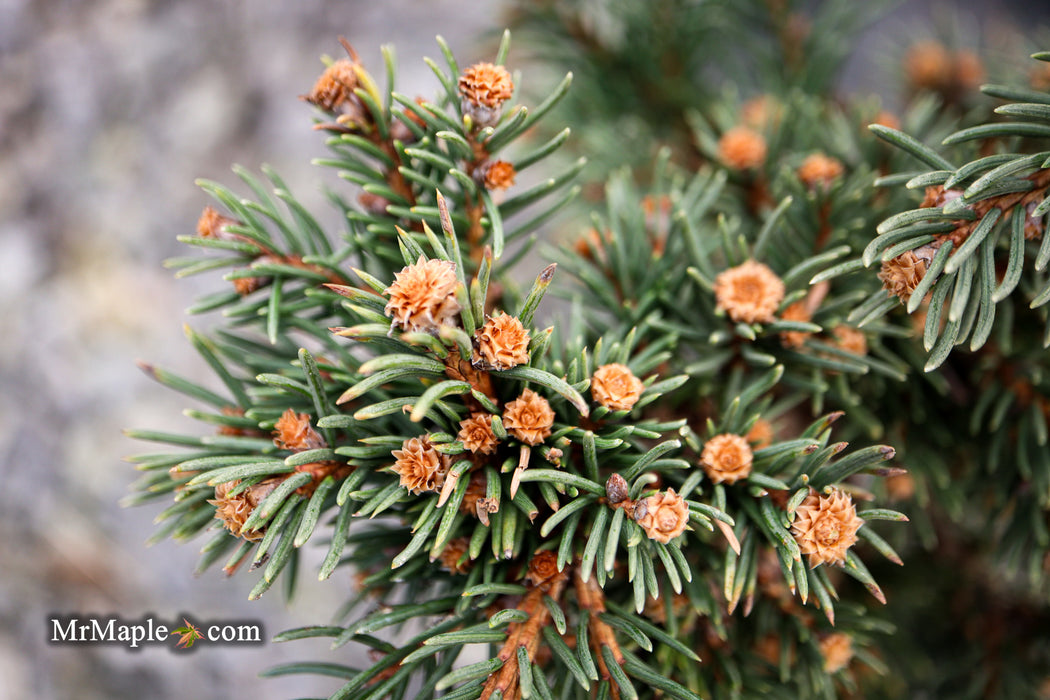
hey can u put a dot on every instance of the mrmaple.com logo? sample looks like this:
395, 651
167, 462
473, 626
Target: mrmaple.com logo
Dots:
148, 631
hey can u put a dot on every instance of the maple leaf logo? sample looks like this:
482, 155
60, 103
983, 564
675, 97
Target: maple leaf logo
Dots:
190, 634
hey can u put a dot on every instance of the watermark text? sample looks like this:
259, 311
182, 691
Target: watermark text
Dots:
134, 634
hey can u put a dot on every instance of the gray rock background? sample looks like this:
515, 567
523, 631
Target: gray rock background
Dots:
108, 111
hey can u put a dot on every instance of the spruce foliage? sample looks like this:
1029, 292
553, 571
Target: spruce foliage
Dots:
675, 487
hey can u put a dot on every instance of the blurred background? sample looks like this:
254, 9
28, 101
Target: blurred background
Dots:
109, 109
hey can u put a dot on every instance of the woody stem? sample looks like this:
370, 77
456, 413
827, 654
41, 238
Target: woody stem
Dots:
590, 597
523, 634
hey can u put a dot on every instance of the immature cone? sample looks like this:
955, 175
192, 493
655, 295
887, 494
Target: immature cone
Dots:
664, 516
615, 387
819, 170
420, 466
902, 274
335, 87
761, 434
749, 293
476, 491
483, 88
899, 487
761, 111
476, 434
502, 343
212, 224
726, 458
1039, 76
968, 71
837, 650
887, 119
246, 285
768, 647
454, 557
423, 295
795, 312
233, 511
293, 431
850, 339
529, 418
742, 148
825, 527
543, 569
928, 65
498, 175
656, 608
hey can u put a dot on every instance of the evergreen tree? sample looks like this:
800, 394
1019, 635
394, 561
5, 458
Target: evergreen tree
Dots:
676, 487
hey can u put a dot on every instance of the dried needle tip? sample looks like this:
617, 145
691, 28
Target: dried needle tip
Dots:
548, 273
446, 219
343, 290
349, 49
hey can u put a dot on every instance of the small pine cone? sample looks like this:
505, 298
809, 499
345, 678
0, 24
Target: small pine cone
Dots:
900, 487
476, 434
335, 87
837, 650
928, 66
592, 244
483, 88
826, 526
230, 429
543, 569
819, 170
423, 295
615, 387
664, 516
454, 557
742, 148
850, 339
498, 175
726, 458
768, 648
656, 609
1039, 76
293, 431
795, 312
761, 111
502, 343
967, 70
373, 203
937, 196
529, 418
887, 119
246, 285
902, 274
420, 466
212, 224
233, 511
749, 293
761, 434
477, 490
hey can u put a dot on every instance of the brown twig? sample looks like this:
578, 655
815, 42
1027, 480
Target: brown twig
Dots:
458, 368
524, 634
589, 596
296, 261
1004, 202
